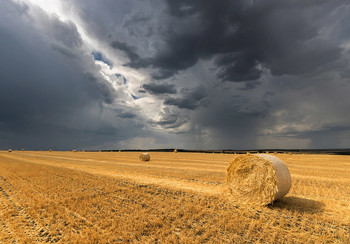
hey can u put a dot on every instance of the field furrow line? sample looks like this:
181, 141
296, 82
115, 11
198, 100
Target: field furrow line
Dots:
32, 228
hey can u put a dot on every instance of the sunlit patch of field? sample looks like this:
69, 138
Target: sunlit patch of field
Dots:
176, 197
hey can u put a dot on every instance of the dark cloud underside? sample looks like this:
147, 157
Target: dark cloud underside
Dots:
242, 37
195, 74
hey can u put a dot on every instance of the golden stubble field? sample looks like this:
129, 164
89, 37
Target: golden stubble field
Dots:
106, 197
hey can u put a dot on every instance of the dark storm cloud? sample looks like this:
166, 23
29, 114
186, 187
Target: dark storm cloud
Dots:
157, 89
106, 92
252, 42
278, 35
285, 63
65, 33
233, 122
127, 115
130, 53
50, 98
172, 121
241, 37
190, 100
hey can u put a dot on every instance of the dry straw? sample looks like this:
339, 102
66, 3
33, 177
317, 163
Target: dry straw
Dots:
257, 179
145, 157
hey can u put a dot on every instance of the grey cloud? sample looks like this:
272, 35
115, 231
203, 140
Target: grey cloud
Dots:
135, 60
276, 35
63, 33
64, 50
129, 51
49, 100
191, 100
127, 115
172, 121
106, 92
231, 121
250, 85
288, 61
284, 37
66, 33
157, 89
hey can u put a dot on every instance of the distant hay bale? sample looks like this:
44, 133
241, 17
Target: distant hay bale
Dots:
275, 153
290, 153
50, 150
10, 150
257, 179
145, 157
74, 150
22, 150
248, 153
175, 151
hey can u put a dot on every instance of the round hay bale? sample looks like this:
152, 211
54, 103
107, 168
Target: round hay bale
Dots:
10, 150
175, 151
74, 150
257, 179
145, 157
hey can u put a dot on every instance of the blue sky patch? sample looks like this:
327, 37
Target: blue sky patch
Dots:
99, 56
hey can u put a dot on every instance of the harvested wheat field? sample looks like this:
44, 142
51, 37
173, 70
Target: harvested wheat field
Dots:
106, 197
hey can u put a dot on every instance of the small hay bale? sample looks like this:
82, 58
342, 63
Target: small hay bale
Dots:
175, 151
257, 179
10, 150
248, 153
74, 150
145, 157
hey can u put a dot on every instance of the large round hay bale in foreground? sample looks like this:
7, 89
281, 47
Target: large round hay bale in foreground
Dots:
145, 157
257, 179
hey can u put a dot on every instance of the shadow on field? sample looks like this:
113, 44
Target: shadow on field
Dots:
298, 204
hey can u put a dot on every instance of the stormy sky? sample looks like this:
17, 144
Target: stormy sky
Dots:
117, 74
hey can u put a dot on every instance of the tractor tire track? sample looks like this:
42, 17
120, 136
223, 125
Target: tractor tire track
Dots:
32, 229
